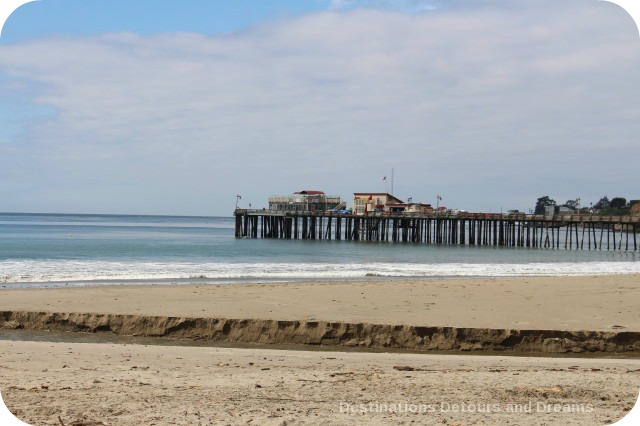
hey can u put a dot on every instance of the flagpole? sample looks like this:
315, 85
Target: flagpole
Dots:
392, 181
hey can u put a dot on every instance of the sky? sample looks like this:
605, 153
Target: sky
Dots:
158, 107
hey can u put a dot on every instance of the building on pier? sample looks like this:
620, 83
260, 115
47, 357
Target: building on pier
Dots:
372, 202
307, 200
381, 202
565, 211
413, 208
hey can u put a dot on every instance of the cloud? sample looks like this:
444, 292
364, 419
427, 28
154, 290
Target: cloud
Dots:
482, 104
396, 5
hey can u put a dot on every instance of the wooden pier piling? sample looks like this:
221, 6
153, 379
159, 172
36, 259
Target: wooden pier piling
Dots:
472, 229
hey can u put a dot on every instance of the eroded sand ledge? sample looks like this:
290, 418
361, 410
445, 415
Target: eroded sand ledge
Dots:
301, 332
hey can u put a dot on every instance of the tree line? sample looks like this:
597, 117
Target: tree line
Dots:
616, 205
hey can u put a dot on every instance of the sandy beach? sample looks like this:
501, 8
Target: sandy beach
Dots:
119, 383
601, 303
134, 384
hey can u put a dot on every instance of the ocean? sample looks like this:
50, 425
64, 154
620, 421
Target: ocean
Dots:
58, 250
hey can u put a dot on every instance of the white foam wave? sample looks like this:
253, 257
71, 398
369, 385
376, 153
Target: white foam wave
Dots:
55, 271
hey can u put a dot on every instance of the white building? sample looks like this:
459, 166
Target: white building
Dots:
307, 200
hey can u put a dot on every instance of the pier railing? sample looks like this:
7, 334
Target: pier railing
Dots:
474, 229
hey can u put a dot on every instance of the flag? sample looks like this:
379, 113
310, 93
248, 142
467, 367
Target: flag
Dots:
370, 197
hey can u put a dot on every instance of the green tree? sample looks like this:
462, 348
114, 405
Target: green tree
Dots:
603, 203
617, 202
542, 203
572, 204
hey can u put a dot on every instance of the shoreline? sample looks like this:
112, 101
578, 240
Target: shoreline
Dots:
61, 273
373, 277
241, 281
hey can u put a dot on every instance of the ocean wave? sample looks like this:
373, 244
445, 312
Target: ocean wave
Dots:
55, 271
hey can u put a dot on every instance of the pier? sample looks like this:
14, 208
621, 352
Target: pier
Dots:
578, 232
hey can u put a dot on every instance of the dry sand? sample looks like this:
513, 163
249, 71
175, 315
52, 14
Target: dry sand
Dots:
137, 384
134, 384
